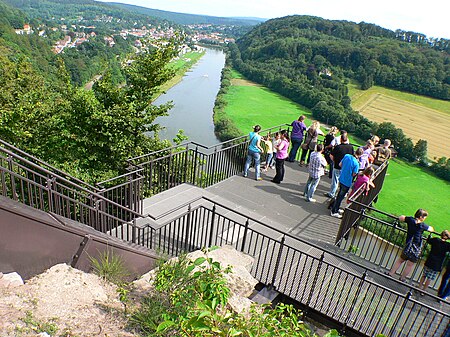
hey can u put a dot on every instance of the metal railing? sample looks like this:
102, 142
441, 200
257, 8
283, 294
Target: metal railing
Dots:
45, 188
349, 292
194, 163
378, 238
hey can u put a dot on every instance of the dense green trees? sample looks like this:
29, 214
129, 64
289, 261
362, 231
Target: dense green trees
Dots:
310, 60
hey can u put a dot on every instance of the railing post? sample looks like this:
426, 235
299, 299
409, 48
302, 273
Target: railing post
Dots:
211, 230
133, 231
186, 164
12, 178
400, 314
194, 166
277, 262
244, 238
49, 186
352, 306
186, 232
313, 285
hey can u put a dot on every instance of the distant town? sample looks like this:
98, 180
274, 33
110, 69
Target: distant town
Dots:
77, 34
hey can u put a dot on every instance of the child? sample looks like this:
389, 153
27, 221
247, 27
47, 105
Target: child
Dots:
269, 150
363, 178
275, 142
316, 169
433, 264
413, 247
282, 154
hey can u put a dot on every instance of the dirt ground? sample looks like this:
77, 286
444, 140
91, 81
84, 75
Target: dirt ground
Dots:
65, 301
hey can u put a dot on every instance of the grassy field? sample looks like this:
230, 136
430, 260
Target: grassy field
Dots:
406, 188
250, 104
181, 66
419, 117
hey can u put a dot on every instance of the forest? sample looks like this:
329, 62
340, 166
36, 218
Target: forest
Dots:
311, 60
87, 133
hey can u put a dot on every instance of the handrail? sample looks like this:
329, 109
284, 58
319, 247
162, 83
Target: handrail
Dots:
44, 164
80, 188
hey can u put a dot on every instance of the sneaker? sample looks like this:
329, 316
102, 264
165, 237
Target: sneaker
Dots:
327, 194
311, 200
341, 211
336, 215
258, 179
244, 175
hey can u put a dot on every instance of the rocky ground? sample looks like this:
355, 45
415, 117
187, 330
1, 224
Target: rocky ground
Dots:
66, 302
63, 302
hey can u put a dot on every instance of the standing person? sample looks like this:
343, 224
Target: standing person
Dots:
268, 149
433, 265
316, 169
382, 153
349, 168
413, 247
363, 179
298, 129
282, 154
366, 159
328, 147
444, 288
336, 155
276, 140
311, 141
254, 152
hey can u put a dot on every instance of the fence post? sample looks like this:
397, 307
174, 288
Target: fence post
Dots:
211, 230
12, 178
400, 314
352, 306
313, 285
244, 238
186, 232
49, 186
194, 166
277, 263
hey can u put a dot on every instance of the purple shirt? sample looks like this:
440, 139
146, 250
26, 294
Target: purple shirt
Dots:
282, 151
298, 128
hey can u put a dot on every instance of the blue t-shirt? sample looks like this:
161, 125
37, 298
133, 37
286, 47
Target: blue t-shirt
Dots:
349, 167
254, 138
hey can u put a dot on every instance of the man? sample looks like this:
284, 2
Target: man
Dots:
316, 169
349, 166
382, 153
337, 154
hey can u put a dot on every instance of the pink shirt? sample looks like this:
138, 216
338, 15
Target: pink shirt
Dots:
282, 151
360, 180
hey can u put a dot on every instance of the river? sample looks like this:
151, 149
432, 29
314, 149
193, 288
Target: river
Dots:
193, 99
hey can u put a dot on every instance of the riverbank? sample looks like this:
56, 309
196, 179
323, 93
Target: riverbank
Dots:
181, 65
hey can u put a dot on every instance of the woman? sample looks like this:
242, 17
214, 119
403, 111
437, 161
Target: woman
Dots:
282, 154
298, 128
311, 141
413, 247
328, 146
254, 152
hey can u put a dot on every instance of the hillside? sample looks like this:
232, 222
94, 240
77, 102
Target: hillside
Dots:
189, 19
311, 60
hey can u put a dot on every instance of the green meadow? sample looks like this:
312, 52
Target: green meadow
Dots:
406, 188
249, 104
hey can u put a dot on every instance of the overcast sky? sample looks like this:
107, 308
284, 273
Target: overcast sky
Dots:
430, 17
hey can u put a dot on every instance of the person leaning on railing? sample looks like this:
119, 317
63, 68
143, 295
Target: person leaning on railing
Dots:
413, 247
433, 265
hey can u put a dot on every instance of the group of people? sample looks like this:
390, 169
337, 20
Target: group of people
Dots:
349, 171
346, 167
439, 248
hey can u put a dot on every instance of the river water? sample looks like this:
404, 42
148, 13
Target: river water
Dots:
193, 100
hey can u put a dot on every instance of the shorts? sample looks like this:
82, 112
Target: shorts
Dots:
430, 273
